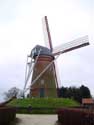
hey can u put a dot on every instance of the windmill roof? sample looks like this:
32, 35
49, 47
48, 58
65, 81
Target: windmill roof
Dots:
40, 49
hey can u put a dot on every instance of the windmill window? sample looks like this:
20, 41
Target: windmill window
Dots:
42, 81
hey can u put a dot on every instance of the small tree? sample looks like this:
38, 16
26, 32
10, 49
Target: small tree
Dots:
12, 92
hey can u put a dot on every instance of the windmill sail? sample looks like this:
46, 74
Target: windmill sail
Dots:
48, 41
46, 31
75, 44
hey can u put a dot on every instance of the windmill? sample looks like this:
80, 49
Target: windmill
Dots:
42, 67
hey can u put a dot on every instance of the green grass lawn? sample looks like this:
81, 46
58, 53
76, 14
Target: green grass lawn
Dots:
43, 103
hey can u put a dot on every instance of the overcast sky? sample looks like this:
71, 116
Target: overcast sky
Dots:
21, 29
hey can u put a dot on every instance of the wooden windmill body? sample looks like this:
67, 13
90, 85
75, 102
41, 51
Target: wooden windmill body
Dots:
44, 82
45, 86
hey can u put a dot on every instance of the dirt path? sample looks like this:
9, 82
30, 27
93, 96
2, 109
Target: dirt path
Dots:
36, 119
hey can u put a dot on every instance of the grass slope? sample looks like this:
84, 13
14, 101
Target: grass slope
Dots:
44, 102
42, 105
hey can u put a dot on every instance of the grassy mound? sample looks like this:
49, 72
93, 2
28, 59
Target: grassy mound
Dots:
43, 105
44, 102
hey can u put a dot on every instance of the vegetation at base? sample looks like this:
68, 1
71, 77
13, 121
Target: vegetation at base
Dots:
75, 93
42, 105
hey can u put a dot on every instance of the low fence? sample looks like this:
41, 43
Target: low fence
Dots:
7, 114
68, 116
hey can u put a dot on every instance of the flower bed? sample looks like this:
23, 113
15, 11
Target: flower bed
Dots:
7, 115
69, 116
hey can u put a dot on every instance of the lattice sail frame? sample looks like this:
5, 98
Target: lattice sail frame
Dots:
47, 35
75, 44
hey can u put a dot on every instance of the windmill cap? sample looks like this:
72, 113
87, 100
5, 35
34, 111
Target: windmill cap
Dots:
40, 50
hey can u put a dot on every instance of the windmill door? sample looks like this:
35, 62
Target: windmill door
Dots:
42, 92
